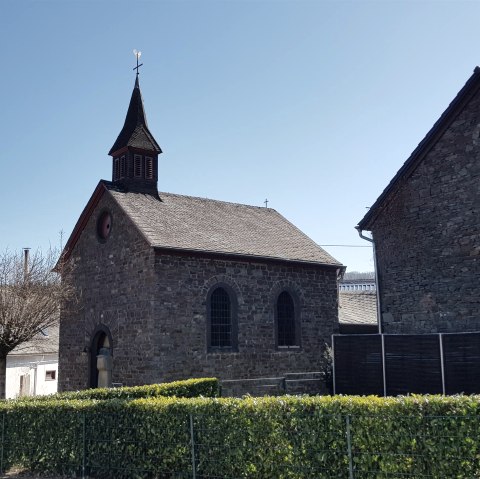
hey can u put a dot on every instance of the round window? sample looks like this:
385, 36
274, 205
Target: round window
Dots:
104, 225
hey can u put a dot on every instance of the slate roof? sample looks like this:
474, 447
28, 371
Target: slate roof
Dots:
189, 223
437, 130
135, 132
357, 308
41, 343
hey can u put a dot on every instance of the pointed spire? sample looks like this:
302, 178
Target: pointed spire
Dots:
135, 132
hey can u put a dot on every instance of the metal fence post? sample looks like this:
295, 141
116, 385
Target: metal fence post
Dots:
349, 448
384, 366
84, 444
333, 366
442, 362
192, 442
3, 443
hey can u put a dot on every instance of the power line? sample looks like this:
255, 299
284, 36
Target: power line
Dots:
348, 245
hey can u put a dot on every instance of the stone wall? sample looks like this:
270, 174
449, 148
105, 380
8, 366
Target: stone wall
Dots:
181, 317
155, 306
428, 237
116, 283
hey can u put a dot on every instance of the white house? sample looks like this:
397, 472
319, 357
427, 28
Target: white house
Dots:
32, 368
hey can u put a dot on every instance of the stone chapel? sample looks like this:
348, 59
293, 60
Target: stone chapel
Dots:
175, 286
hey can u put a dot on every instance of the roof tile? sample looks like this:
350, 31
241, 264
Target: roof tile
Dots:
200, 224
357, 308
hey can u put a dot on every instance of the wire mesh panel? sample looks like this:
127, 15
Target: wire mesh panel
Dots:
143, 446
306, 445
266, 440
413, 364
358, 364
415, 446
461, 355
43, 442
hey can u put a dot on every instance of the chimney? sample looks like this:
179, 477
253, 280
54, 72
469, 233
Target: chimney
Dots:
26, 253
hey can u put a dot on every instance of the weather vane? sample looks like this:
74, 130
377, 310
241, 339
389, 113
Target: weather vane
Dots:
138, 55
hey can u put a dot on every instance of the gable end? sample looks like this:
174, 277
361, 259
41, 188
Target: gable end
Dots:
431, 138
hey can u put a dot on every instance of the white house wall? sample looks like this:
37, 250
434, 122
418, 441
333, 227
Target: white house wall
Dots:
34, 368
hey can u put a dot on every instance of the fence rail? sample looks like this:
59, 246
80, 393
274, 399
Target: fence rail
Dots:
106, 448
308, 382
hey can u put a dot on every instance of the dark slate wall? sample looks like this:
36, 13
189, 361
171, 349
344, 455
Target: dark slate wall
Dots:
155, 306
428, 238
181, 309
116, 282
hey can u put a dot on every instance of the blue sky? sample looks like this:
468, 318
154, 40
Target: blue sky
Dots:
314, 105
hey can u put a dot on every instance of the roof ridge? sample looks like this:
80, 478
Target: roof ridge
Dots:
217, 201
223, 228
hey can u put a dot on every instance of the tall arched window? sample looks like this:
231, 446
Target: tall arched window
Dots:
222, 330
287, 327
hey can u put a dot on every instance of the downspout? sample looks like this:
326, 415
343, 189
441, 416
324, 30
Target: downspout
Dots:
370, 240
340, 274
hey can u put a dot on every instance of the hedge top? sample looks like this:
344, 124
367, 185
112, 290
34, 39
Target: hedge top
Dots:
207, 387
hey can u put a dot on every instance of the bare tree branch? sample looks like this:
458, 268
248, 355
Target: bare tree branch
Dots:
31, 298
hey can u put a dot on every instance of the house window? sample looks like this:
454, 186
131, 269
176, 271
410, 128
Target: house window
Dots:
123, 167
51, 375
288, 333
222, 325
137, 166
148, 168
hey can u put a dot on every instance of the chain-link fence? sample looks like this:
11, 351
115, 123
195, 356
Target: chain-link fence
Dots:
313, 445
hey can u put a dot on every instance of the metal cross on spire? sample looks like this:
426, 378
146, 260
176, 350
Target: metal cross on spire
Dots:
138, 54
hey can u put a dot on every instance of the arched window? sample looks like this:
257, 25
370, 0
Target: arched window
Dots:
222, 327
287, 325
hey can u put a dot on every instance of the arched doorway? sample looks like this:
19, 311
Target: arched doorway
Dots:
101, 339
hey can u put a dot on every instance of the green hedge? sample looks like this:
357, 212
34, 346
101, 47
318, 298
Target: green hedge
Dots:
255, 438
189, 388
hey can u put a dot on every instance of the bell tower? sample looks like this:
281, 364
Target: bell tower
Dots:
135, 152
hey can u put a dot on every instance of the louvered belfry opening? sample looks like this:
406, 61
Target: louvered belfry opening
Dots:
148, 168
137, 168
220, 319
286, 320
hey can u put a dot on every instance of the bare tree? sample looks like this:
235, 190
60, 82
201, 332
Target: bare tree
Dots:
31, 294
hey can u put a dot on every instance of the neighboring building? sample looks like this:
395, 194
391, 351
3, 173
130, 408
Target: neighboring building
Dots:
32, 367
426, 227
355, 282
357, 303
174, 286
